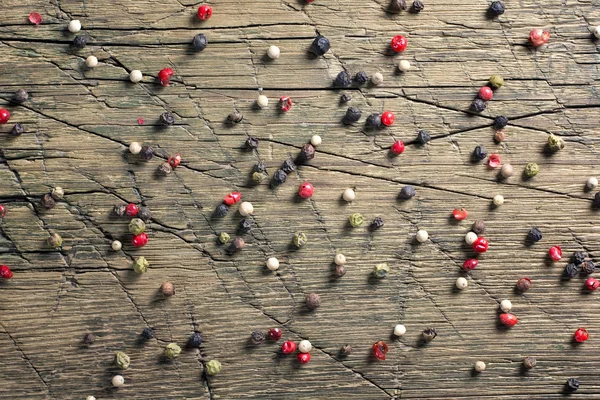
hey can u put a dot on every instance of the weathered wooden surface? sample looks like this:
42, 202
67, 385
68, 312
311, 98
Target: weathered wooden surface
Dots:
79, 122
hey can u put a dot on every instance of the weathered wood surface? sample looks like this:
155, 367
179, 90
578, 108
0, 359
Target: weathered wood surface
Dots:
79, 122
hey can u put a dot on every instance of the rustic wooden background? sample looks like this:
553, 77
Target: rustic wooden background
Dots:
79, 123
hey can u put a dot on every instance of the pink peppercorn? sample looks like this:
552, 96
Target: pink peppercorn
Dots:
164, 76
388, 118
303, 358
380, 350
592, 283
5, 272
508, 319
494, 160
399, 43
232, 198
286, 103
398, 147
2, 211
306, 190
470, 264
35, 18
205, 12
275, 334
461, 214
288, 347
555, 253
4, 115
139, 240
480, 245
581, 335
131, 210
538, 37
485, 93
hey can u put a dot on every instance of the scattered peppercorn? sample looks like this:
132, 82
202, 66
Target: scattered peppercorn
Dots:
555, 143
345, 98
320, 45
478, 105
119, 210
144, 214
251, 143
480, 245
596, 201
260, 167
508, 319
496, 81
224, 237
167, 118
340, 271
235, 117
279, 177
139, 240
555, 253
148, 333
523, 284
347, 349
423, 137
500, 122
285, 103
21, 96
136, 226
529, 362
300, 239
3, 211
147, 152
313, 301
205, 12
478, 227
213, 367
131, 210
167, 289
221, 210
374, 121
578, 257
592, 283
571, 270
398, 43
361, 78
588, 267
479, 153
200, 42
377, 223
122, 360
172, 350
80, 42
407, 192
356, 220
195, 340
89, 338
245, 225
57, 193
417, 6
353, 114
47, 201
380, 349
288, 166
496, 8
307, 152
534, 235
17, 130
396, 6
381, 270
275, 334
140, 265
237, 245
537, 37
572, 384
531, 170
288, 347
258, 177
342, 80
55, 240
429, 334
257, 337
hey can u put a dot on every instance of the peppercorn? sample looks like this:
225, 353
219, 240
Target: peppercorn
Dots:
356, 220
340, 271
122, 360
213, 367
300, 239
118, 381
47, 201
417, 6
531, 170
140, 265
17, 130
423, 137
537, 37
347, 350
571, 270
167, 289
592, 283
279, 177
285, 103
172, 350
353, 114
131, 210
374, 121
275, 334
478, 227
588, 267
479, 153
578, 257
345, 98
251, 143
147, 152
529, 362
4, 116
257, 337
235, 117
55, 241
555, 143
496, 81
246, 209
320, 45
80, 42
534, 235
144, 213
245, 225
381, 270
147, 333
523, 284
205, 12
195, 340
288, 166
380, 349
361, 78
200, 41
260, 167
258, 177
57, 193
581, 335
396, 6
500, 122
21, 96
478, 105
342, 80
596, 201
496, 8
572, 384
377, 223
407, 192
167, 118
313, 301
555, 253
221, 210
3, 211
429, 334
237, 245
224, 237
307, 152
137, 226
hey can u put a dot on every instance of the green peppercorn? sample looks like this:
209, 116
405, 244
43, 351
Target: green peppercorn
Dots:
213, 367
137, 226
496, 81
122, 360
224, 237
55, 241
555, 143
356, 220
258, 177
531, 169
300, 239
172, 350
381, 270
140, 265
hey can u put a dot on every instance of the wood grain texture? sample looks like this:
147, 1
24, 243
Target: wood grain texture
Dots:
79, 123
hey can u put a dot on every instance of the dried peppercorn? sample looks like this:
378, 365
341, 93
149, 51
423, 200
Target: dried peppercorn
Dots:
361, 78
573, 384
374, 121
479, 153
581, 335
89, 338
245, 225
55, 240
531, 170
478, 105
147, 152
213, 367
353, 114
588, 267
478, 227
144, 214
508, 319
500, 122
496, 8
165, 168
320, 45
147, 333
537, 37
377, 223
3, 211
200, 42
529, 362
21, 96
578, 257
381, 270
571, 270
288, 347
279, 177
195, 340
235, 117
460, 214
347, 349
257, 337
307, 152
345, 98
137, 226
555, 143
288, 166
396, 6
339, 271
258, 177
80, 42
260, 167
5, 272
592, 283
140, 265
275, 334
237, 245
407, 192
555, 253
167, 289
47, 201
167, 118
534, 235
57, 193
596, 201
423, 136
429, 334
470, 264
285, 103
300, 239
313, 301
172, 350
221, 210
139, 240
496, 81
122, 360
251, 143
342, 79
417, 6
205, 12
523, 284
224, 238
398, 43
356, 220
17, 130
380, 349
164, 76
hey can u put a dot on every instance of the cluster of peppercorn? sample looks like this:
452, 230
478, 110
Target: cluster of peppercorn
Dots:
288, 347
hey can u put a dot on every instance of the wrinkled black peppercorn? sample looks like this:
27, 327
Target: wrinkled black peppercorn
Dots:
260, 167
144, 213
167, 118
342, 80
195, 340
320, 45
429, 334
245, 225
572, 384
345, 98
396, 6
251, 143
377, 223
374, 120
79, 42
17, 130
147, 152
165, 168
407, 192
257, 337
417, 6
200, 41
478, 105
47, 201
423, 136
147, 333
21, 96
478, 226
353, 114
237, 245
307, 152
479, 153
235, 117
579, 257
596, 201
279, 177
571, 270
588, 267
361, 78
119, 210
221, 210
496, 8
89, 338
288, 166
500, 122
534, 235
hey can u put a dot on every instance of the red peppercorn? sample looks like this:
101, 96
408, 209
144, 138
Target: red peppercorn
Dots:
538, 37
131, 210
398, 147
139, 240
35, 18
581, 335
508, 319
5, 272
2, 211
555, 253
388, 118
306, 190
380, 349
164, 76
175, 160
4, 115
275, 334
480, 245
461, 214
288, 347
286, 103
470, 264
303, 358
494, 161
399, 43
204, 12
592, 283
140, 121
485, 93
232, 198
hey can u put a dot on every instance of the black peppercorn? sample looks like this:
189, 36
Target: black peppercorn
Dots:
260, 167
320, 45
279, 177
17, 130
167, 118
195, 340
429, 334
479, 153
21, 96
288, 166
237, 245
251, 143
47, 201
221, 210
79, 42
579, 257
396, 6
307, 152
342, 80
361, 78
496, 8
313, 301
588, 267
119, 210
534, 235
200, 41
478, 227
346, 98
353, 114
144, 213
523, 284
148, 333
423, 137
89, 338
417, 6
257, 337
596, 201
245, 225
407, 192
147, 152
529, 362
340, 271
500, 122
165, 168
572, 384
478, 105
374, 120
235, 117
571, 270
377, 223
